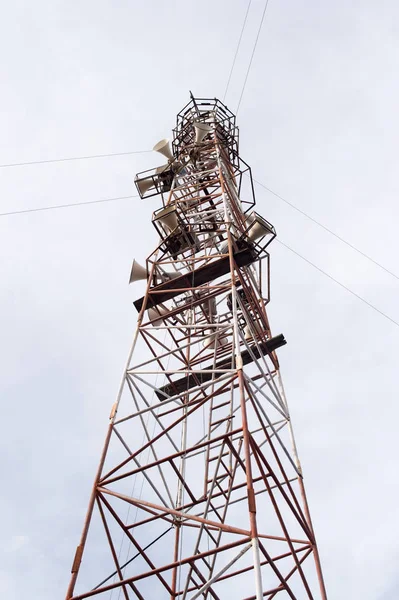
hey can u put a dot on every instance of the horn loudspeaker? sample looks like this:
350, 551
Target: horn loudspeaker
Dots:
156, 315
258, 227
201, 130
144, 185
138, 272
209, 307
167, 217
164, 148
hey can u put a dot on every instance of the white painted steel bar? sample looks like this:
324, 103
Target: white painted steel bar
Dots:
221, 572
257, 569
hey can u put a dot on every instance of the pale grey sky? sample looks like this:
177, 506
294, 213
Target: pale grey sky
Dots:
319, 125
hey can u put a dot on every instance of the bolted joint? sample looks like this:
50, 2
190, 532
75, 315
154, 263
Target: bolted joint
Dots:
251, 500
113, 412
77, 560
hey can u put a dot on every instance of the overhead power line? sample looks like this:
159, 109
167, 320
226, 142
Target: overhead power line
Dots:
45, 208
339, 283
42, 208
57, 160
29, 210
237, 49
341, 239
114, 199
252, 55
278, 240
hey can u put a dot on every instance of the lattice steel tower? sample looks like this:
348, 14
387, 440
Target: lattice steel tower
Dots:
199, 491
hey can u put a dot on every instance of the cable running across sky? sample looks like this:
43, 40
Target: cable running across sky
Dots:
252, 55
339, 283
43, 208
237, 49
341, 239
104, 200
71, 158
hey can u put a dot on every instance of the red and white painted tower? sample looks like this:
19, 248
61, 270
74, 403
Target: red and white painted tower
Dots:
199, 491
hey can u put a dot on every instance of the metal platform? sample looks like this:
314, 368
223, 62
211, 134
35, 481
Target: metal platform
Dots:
170, 289
190, 381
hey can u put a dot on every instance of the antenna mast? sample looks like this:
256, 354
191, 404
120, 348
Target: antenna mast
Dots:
199, 491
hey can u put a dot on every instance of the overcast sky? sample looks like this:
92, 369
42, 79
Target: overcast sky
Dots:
319, 124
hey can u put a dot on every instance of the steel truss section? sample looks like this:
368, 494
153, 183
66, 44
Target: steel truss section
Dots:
199, 491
